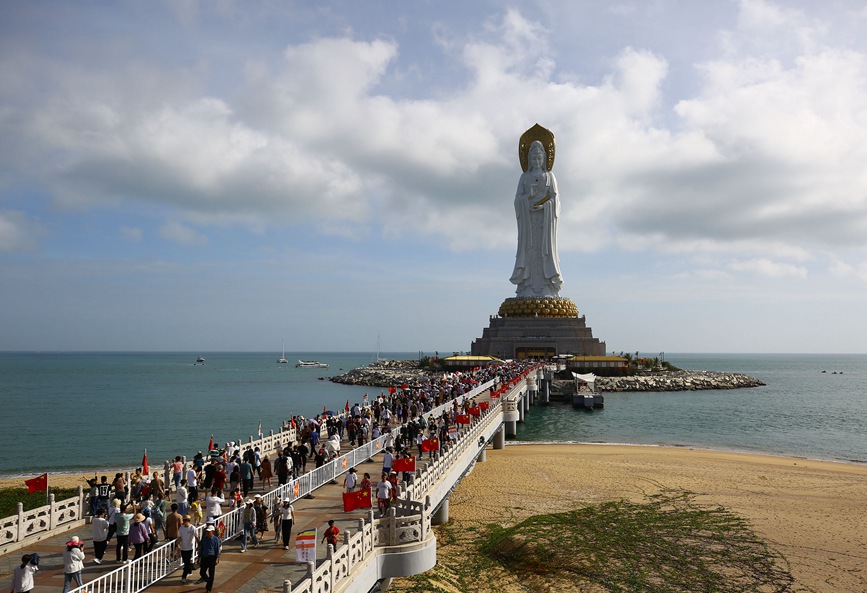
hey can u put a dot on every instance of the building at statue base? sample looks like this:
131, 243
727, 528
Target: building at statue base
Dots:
537, 328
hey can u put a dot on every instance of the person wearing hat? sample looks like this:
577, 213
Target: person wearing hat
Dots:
261, 515
138, 535
185, 542
249, 525
209, 558
73, 563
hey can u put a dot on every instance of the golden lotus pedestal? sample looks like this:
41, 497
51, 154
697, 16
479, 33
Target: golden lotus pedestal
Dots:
537, 328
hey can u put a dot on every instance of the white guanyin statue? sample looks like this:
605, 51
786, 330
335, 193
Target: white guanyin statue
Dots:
537, 207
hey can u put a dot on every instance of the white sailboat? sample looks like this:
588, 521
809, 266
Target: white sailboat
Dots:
378, 347
282, 359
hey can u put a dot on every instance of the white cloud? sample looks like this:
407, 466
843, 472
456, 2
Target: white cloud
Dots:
180, 233
768, 268
131, 233
18, 232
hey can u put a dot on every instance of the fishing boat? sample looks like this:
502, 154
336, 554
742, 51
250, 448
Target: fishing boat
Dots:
201, 360
311, 364
282, 359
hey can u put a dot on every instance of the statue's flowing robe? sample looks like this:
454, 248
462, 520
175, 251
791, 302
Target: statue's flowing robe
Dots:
537, 271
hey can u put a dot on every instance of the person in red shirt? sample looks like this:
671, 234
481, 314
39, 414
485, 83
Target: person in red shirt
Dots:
330, 536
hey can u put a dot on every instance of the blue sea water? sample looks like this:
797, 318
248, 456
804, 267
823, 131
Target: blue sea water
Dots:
83, 411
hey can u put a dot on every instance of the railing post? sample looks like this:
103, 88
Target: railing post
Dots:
287, 586
51, 522
81, 510
19, 534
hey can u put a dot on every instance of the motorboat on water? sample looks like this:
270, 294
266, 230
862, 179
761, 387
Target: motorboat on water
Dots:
201, 360
311, 364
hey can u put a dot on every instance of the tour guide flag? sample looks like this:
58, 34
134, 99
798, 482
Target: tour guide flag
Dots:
356, 500
37, 484
404, 464
305, 546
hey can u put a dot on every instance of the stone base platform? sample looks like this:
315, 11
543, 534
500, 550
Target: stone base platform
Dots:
537, 337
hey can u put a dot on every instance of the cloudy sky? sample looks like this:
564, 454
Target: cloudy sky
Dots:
185, 175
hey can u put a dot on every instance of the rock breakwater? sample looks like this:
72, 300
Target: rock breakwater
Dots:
408, 372
678, 381
387, 374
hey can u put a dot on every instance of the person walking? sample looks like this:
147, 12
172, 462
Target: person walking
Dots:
100, 535
22, 576
350, 480
249, 525
181, 495
174, 522
186, 541
209, 558
330, 536
123, 521
287, 515
73, 563
138, 535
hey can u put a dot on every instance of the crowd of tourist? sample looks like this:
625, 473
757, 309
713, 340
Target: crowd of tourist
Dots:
140, 511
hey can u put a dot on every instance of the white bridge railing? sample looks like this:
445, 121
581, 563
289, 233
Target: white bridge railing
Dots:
409, 522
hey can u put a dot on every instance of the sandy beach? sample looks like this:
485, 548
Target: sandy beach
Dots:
812, 512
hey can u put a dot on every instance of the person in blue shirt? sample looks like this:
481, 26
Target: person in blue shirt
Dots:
209, 558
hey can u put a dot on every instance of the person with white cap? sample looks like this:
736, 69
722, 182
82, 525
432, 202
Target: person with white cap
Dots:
249, 525
209, 558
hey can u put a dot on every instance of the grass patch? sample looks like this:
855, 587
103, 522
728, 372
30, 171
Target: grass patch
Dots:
10, 497
665, 544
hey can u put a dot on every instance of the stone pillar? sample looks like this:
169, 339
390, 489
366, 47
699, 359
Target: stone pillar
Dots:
442, 514
483, 455
526, 402
511, 428
500, 437
520, 403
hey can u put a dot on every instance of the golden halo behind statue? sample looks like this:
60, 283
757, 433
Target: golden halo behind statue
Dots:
543, 135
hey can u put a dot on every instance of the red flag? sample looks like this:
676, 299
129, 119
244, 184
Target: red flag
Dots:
211, 444
346, 409
462, 418
430, 445
392, 389
476, 411
356, 500
484, 405
144, 463
39, 483
293, 422
404, 386
404, 464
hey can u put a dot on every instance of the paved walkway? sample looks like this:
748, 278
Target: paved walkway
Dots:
259, 569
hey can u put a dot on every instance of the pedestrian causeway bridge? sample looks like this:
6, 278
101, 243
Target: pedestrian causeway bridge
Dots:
373, 549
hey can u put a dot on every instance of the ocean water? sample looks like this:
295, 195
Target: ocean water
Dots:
800, 412
85, 411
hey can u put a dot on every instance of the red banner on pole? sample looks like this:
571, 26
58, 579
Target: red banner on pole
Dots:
356, 500
484, 405
144, 463
37, 484
462, 418
475, 411
430, 445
